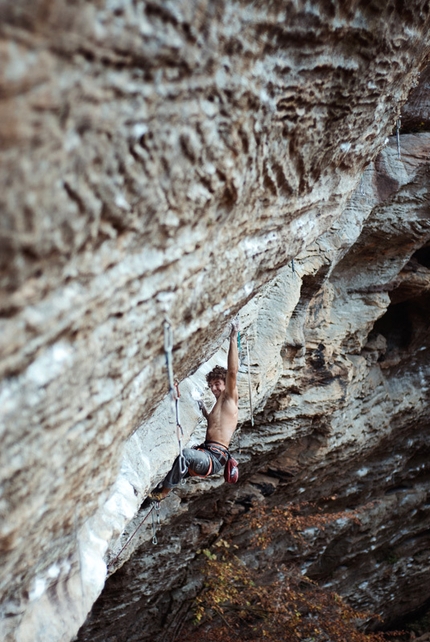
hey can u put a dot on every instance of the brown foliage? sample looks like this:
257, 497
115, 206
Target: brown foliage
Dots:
294, 519
237, 603
235, 606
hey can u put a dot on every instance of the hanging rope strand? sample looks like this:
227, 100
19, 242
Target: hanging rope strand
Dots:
249, 385
154, 529
179, 431
399, 120
112, 562
239, 347
168, 348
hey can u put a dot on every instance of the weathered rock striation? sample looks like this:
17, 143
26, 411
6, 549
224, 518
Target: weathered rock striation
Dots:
171, 159
340, 370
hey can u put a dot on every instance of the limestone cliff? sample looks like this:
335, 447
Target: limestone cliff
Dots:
163, 158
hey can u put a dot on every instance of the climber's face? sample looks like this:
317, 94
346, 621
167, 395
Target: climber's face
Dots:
217, 386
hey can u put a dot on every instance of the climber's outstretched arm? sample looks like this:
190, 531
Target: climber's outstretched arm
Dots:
232, 363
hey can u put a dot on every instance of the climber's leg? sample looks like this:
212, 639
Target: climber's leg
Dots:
196, 461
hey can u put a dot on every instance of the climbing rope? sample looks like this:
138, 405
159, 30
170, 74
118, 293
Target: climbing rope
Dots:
155, 507
399, 120
168, 348
174, 390
249, 385
179, 430
239, 348
154, 528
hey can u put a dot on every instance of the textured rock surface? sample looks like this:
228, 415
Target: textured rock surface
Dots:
172, 158
340, 382
415, 113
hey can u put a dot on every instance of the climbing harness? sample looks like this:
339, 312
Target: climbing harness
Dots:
222, 454
399, 120
174, 391
219, 451
155, 507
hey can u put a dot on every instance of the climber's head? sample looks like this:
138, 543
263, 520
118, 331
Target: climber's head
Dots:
216, 380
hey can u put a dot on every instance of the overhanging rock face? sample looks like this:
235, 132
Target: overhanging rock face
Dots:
172, 159
340, 374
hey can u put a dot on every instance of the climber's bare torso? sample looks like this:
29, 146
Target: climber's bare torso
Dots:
222, 419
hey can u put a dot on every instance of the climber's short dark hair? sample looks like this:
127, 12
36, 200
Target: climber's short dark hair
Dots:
216, 373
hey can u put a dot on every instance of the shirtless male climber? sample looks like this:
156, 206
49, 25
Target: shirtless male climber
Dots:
210, 457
